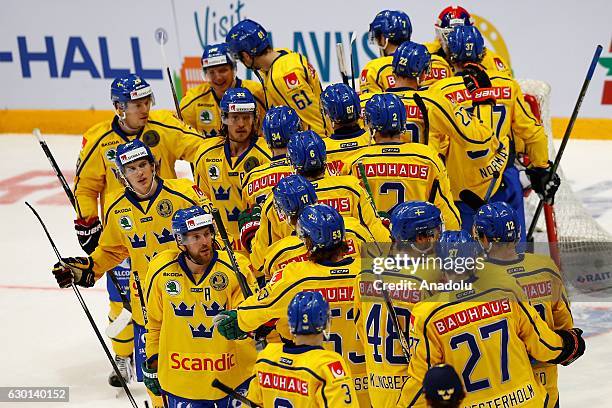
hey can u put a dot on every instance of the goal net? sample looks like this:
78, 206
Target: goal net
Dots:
585, 247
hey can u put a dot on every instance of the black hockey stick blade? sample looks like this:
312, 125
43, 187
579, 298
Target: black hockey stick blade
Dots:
233, 393
471, 199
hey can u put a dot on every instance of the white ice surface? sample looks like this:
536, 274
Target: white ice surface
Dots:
46, 340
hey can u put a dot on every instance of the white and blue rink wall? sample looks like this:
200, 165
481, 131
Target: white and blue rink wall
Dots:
57, 60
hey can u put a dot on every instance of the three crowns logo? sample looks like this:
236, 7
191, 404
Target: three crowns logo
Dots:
165, 237
182, 310
213, 310
138, 242
222, 194
201, 331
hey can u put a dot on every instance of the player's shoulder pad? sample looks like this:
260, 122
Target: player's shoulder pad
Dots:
433, 46
116, 199
253, 86
330, 364
162, 259
263, 147
541, 261
212, 146
97, 131
243, 261
184, 186
195, 92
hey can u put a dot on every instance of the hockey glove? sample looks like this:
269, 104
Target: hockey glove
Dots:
151, 381
88, 233
573, 346
226, 323
478, 84
544, 183
77, 270
248, 223
385, 218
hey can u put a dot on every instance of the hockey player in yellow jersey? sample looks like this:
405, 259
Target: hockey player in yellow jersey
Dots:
536, 274
291, 195
388, 30
306, 151
279, 124
136, 225
303, 374
398, 172
341, 105
487, 331
327, 271
168, 138
200, 107
454, 16
223, 163
186, 288
416, 226
512, 119
288, 78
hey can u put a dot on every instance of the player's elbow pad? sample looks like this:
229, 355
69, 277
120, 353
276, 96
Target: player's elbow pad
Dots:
573, 346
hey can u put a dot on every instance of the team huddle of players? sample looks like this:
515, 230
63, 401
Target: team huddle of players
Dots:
311, 185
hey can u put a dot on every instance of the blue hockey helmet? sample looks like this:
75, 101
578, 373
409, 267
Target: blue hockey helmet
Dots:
385, 113
237, 100
129, 87
412, 218
190, 219
215, 55
308, 313
458, 247
131, 151
411, 60
498, 222
292, 193
465, 44
322, 224
279, 124
306, 152
341, 103
247, 36
394, 25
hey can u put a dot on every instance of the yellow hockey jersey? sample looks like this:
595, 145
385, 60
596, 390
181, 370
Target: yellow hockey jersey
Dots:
492, 61
140, 229
377, 75
341, 145
200, 106
335, 282
258, 183
512, 115
220, 176
180, 329
543, 286
487, 332
399, 172
385, 360
344, 193
301, 377
292, 249
168, 138
293, 82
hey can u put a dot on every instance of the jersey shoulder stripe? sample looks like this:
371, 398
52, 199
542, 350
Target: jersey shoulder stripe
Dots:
293, 285
116, 199
154, 122
203, 94
93, 148
156, 273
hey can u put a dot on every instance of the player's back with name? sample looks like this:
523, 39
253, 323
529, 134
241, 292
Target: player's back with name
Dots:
301, 377
258, 183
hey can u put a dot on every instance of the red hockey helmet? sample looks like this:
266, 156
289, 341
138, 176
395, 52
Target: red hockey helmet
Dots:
449, 18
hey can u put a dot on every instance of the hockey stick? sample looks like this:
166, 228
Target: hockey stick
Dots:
421, 105
388, 301
473, 200
145, 317
86, 310
125, 317
353, 39
244, 286
548, 207
162, 42
234, 394
342, 63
